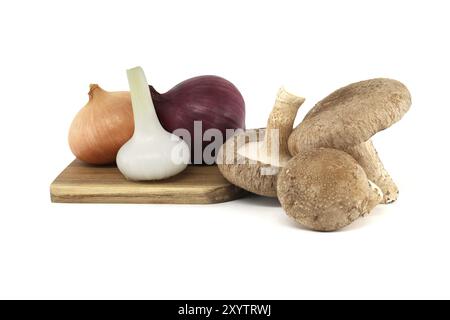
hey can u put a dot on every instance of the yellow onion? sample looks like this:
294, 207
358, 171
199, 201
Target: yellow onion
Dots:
102, 126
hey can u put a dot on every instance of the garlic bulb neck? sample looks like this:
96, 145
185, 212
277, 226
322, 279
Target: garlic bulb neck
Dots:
143, 107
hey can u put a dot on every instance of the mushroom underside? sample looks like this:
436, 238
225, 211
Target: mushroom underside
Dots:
251, 175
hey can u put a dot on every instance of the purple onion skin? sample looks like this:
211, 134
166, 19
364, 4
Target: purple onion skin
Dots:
213, 100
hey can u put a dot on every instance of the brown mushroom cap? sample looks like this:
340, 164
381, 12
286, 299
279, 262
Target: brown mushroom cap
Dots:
325, 189
352, 115
244, 172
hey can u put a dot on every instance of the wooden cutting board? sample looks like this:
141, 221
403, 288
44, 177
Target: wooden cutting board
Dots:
82, 183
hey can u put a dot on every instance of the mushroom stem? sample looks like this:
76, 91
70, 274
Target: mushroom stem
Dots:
375, 197
280, 122
367, 157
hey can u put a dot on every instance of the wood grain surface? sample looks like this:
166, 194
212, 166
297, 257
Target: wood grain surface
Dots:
83, 183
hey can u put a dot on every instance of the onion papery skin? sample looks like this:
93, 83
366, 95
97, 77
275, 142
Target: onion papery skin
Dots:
102, 126
214, 101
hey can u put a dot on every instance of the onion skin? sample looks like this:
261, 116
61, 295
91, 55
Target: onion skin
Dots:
213, 100
102, 126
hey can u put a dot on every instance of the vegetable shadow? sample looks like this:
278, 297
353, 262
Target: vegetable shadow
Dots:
256, 200
361, 223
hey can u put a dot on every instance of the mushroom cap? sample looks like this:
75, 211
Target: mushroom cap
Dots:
243, 172
351, 115
325, 189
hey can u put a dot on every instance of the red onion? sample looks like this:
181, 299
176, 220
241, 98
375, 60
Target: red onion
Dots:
214, 101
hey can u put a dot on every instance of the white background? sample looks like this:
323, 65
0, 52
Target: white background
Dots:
51, 50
